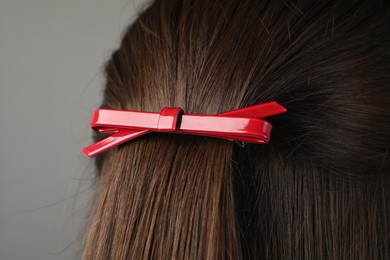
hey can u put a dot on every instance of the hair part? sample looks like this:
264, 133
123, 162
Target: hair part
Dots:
318, 190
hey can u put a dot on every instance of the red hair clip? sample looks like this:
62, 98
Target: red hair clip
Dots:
243, 124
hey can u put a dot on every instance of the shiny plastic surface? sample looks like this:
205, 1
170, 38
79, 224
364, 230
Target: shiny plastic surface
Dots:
243, 124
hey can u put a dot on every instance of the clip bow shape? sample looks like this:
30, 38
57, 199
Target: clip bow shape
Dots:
243, 124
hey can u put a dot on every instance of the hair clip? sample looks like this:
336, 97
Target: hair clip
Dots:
240, 143
243, 124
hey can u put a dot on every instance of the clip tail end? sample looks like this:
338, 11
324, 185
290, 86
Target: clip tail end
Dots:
112, 141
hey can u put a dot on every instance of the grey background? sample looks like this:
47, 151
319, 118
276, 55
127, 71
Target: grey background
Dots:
51, 58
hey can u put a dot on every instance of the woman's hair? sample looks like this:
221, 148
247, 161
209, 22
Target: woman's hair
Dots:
319, 190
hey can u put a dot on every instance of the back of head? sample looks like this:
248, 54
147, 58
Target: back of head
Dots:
318, 190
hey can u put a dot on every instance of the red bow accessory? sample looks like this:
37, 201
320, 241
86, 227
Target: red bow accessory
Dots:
243, 124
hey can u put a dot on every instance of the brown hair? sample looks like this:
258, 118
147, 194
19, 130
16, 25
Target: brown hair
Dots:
318, 190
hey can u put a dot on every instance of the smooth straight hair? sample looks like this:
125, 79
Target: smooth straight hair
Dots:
319, 190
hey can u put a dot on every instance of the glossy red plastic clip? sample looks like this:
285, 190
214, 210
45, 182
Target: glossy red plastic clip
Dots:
243, 124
